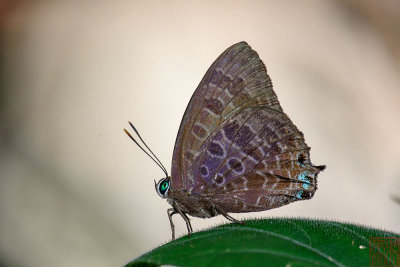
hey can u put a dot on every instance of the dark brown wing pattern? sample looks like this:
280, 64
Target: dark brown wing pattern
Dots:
235, 145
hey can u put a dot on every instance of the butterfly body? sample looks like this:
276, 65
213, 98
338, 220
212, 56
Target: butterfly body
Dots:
236, 150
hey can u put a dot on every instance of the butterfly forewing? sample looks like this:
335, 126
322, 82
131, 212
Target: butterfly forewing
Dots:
236, 80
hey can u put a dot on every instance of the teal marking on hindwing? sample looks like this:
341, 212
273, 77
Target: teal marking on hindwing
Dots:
299, 194
303, 177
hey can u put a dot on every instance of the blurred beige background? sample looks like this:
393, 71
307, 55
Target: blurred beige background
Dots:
76, 191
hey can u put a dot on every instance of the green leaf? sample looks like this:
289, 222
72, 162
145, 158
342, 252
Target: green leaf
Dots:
272, 242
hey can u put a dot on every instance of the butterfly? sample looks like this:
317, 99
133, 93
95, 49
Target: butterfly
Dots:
236, 150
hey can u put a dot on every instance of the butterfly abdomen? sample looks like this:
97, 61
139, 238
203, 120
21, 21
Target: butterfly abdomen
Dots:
194, 205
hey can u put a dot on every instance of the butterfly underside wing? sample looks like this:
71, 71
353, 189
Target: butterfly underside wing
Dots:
236, 150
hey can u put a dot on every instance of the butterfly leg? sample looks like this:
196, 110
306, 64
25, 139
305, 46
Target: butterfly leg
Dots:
170, 212
229, 217
187, 221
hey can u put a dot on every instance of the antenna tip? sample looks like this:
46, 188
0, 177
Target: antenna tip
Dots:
129, 135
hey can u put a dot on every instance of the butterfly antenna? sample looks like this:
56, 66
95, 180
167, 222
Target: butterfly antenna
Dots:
159, 161
156, 160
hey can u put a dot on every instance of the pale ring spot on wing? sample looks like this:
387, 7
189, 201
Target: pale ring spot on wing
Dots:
200, 131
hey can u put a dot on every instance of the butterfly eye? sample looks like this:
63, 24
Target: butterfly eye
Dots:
162, 187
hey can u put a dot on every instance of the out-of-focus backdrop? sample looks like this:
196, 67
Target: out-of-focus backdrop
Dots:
76, 191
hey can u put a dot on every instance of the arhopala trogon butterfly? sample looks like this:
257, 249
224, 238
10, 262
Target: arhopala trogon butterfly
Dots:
236, 150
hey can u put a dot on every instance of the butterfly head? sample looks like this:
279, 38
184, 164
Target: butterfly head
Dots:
162, 187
